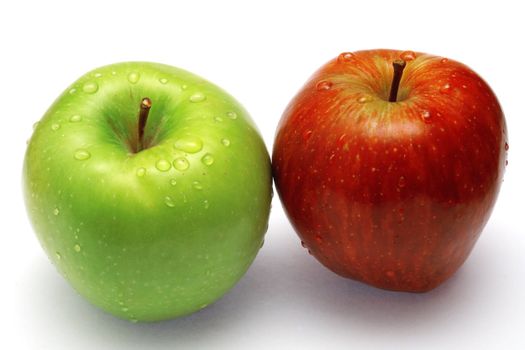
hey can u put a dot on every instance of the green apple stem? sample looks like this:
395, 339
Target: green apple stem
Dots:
399, 65
145, 106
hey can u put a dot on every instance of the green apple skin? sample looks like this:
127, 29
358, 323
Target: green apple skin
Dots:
162, 232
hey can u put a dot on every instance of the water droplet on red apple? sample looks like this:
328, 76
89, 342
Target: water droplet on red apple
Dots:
163, 80
506, 162
55, 126
169, 201
444, 60
319, 239
401, 182
345, 57
363, 99
189, 144
90, 87
75, 118
163, 165
226, 142
324, 85
197, 185
426, 116
207, 159
307, 134
445, 89
197, 97
408, 55
76, 247
133, 77
506, 146
303, 244
181, 164
140, 172
56, 211
82, 154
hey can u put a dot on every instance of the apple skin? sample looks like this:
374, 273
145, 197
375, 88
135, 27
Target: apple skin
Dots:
393, 194
163, 232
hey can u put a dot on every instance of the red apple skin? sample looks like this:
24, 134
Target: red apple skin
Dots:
393, 194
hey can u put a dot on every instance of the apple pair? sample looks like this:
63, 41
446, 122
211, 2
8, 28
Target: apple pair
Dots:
149, 188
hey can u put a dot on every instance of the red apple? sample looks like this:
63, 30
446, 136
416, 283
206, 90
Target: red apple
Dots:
391, 188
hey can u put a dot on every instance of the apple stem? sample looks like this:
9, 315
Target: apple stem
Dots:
145, 106
399, 65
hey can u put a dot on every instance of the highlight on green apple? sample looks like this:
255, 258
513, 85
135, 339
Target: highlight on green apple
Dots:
149, 188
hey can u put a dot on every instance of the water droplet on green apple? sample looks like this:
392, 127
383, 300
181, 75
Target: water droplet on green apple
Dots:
163, 80
82, 154
324, 85
140, 172
76, 247
184, 86
408, 55
206, 204
232, 115
173, 182
133, 77
197, 185
218, 119
226, 142
75, 118
207, 159
90, 87
56, 211
35, 125
189, 144
345, 57
163, 165
58, 255
169, 201
55, 126
197, 97
98, 75
125, 309
181, 164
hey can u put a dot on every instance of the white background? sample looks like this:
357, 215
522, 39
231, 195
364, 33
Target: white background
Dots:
261, 52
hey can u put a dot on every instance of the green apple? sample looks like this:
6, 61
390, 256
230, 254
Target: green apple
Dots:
149, 188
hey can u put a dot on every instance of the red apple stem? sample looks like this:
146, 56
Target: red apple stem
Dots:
399, 65
145, 106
